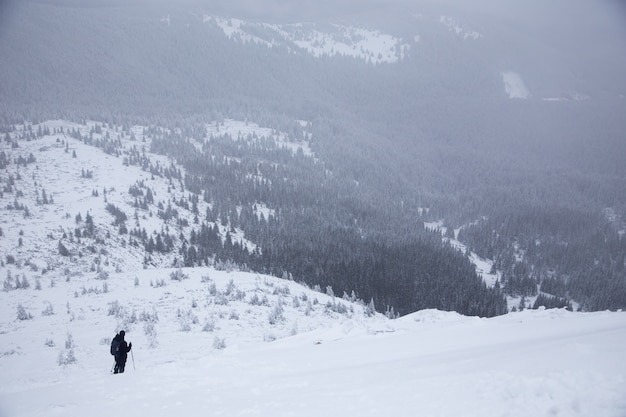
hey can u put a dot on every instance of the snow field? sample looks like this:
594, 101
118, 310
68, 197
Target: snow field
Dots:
208, 342
540, 363
369, 45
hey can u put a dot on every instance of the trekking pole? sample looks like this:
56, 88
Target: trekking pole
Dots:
133, 358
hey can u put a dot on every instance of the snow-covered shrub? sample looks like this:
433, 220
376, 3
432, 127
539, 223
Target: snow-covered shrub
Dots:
150, 331
67, 357
178, 275
295, 302
390, 314
159, 283
238, 295
115, 309
22, 314
150, 317
330, 292
49, 342
8, 282
209, 325
128, 319
69, 342
233, 292
352, 297
38, 284
308, 309
102, 275
233, 315
228, 266
284, 290
370, 309
230, 287
185, 326
256, 301
205, 279
212, 289
48, 311
186, 319
23, 284
337, 307
221, 299
219, 343
269, 337
63, 251
136, 281
277, 314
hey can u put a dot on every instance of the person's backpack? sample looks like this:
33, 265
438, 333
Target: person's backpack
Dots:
115, 345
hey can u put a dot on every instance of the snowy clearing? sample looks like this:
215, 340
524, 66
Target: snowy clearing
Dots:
318, 40
538, 363
514, 85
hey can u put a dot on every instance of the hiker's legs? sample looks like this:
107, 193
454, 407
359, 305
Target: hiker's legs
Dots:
119, 366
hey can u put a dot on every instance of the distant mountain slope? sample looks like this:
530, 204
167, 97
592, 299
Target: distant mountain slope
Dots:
499, 124
319, 40
97, 197
439, 51
71, 205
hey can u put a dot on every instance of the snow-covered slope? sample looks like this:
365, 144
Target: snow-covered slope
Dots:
220, 342
169, 314
319, 40
46, 200
539, 363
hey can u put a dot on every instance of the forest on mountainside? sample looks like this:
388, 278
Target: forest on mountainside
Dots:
325, 231
530, 183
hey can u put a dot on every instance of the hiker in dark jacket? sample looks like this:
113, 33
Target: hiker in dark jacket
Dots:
121, 353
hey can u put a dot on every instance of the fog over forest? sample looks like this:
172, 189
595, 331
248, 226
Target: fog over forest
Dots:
501, 122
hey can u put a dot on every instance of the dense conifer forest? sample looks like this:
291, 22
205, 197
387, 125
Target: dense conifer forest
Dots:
537, 186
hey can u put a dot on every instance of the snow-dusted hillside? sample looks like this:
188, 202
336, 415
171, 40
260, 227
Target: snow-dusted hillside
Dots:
319, 40
169, 314
206, 345
225, 342
65, 188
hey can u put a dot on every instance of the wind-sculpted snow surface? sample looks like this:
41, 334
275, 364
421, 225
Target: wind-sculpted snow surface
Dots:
539, 363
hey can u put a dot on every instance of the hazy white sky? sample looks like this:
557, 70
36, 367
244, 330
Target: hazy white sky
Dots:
566, 9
